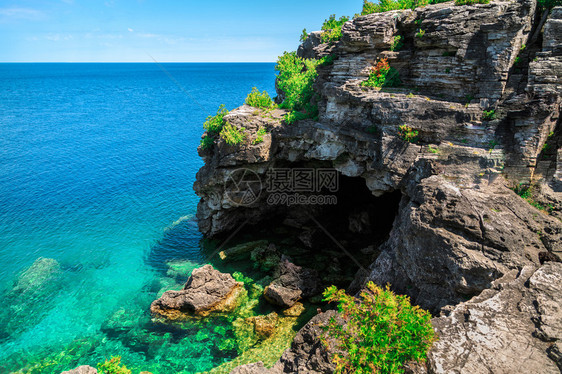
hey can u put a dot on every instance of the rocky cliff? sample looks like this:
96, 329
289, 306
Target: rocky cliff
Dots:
482, 85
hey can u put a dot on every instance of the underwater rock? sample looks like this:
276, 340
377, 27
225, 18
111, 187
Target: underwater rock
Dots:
37, 275
84, 369
293, 283
264, 326
265, 258
181, 268
206, 291
242, 251
294, 311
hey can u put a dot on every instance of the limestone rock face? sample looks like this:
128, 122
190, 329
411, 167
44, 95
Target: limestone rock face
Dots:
206, 291
521, 314
255, 368
85, 369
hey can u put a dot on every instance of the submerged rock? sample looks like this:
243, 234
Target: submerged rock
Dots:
206, 291
292, 284
84, 369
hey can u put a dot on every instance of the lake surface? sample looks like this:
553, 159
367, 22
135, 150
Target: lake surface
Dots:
97, 163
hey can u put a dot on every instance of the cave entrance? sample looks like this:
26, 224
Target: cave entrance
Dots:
336, 232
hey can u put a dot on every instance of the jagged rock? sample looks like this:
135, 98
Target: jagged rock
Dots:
84, 369
506, 329
264, 326
296, 310
307, 354
292, 284
242, 251
206, 291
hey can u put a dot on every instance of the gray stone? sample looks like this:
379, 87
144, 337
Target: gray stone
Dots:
84, 369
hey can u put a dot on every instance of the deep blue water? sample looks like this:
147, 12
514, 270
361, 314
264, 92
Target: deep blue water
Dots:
97, 163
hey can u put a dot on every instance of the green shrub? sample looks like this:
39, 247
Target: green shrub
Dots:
232, 135
295, 79
332, 29
207, 142
420, 33
489, 115
471, 2
382, 75
259, 99
387, 5
381, 333
527, 192
397, 43
113, 366
304, 36
548, 4
214, 124
408, 134
433, 149
259, 135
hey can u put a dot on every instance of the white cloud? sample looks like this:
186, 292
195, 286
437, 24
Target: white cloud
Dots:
21, 13
130, 29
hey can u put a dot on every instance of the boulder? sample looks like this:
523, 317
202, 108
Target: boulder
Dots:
255, 368
84, 369
291, 284
206, 291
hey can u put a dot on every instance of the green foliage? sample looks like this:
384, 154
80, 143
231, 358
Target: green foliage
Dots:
492, 144
113, 366
381, 333
387, 5
207, 142
304, 36
295, 79
332, 29
397, 43
232, 135
549, 4
420, 33
517, 60
408, 134
259, 99
259, 135
327, 60
433, 149
527, 192
471, 2
410, 95
382, 75
214, 124
489, 115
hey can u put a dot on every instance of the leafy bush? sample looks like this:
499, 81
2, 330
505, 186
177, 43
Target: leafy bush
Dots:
408, 133
382, 75
332, 29
259, 135
207, 142
471, 2
387, 5
259, 99
232, 135
489, 115
113, 366
381, 333
295, 79
304, 36
397, 43
420, 33
527, 192
548, 4
214, 124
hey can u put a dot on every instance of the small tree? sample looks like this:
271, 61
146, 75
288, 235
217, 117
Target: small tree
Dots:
113, 366
380, 332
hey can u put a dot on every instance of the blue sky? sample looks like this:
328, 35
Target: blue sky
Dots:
170, 31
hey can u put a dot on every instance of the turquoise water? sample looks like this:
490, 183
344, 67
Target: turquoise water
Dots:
97, 163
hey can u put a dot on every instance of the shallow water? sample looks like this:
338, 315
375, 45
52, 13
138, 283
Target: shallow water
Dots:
97, 163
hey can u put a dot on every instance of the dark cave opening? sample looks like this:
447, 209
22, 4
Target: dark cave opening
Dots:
335, 238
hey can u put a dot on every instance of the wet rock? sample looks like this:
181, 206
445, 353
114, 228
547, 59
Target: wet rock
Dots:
264, 326
294, 311
207, 291
42, 271
265, 258
242, 251
85, 369
292, 284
